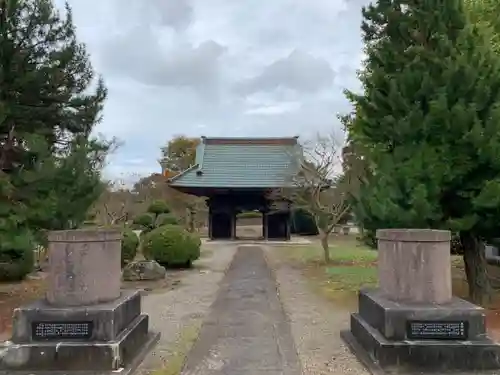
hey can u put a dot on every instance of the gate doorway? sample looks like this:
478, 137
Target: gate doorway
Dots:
249, 225
221, 226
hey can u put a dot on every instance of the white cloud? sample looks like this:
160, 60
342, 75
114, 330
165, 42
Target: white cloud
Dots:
276, 109
218, 68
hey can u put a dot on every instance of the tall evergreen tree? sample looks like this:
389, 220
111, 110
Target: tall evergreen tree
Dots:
50, 101
485, 13
428, 122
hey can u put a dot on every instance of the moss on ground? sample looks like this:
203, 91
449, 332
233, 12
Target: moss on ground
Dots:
180, 349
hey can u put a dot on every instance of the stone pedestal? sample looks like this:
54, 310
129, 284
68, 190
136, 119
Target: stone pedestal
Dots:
415, 265
412, 321
86, 323
80, 263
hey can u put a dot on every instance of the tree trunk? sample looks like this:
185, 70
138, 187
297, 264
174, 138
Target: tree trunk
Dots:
475, 268
190, 219
324, 244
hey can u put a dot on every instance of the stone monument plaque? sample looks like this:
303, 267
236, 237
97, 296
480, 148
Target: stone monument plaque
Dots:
412, 323
81, 326
62, 330
437, 330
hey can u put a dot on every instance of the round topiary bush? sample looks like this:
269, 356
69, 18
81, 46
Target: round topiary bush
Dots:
166, 219
159, 207
130, 243
146, 221
136, 226
172, 246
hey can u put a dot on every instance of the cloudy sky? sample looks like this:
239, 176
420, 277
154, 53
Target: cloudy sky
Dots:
218, 68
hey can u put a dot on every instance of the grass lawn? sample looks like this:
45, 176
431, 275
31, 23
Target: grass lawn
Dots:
179, 351
354, 266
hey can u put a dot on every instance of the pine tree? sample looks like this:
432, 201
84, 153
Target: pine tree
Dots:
428, 122
485, 13
50, 101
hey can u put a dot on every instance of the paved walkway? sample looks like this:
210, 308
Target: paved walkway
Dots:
246, 332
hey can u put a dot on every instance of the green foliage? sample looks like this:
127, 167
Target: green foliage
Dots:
50, 166
484, 13
145, 221
172, 246
429, 120
158, 214
369, 238
136, 226
428, 125
16, 254
166, 219
302, 223
130, 243
159, 207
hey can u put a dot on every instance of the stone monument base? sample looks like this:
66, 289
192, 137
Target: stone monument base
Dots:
452, 336
102, 337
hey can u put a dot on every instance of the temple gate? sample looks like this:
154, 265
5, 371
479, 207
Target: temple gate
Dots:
240, 174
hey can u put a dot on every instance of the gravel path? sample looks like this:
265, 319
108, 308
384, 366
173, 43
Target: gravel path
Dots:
247, 332
315, 323
186, 306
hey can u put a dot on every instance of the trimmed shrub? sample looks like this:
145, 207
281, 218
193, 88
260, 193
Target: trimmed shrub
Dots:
166, 219
303, 223
136, 226
17, 253
172, 246
145, 221
159, 207
130, 243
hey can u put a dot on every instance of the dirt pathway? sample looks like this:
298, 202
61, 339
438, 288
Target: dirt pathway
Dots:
247, 332
255, 320
178, 313
315, 323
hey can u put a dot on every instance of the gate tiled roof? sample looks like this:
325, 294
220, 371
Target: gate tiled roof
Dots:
241, 163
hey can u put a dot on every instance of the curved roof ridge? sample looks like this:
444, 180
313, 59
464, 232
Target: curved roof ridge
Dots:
250, 140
